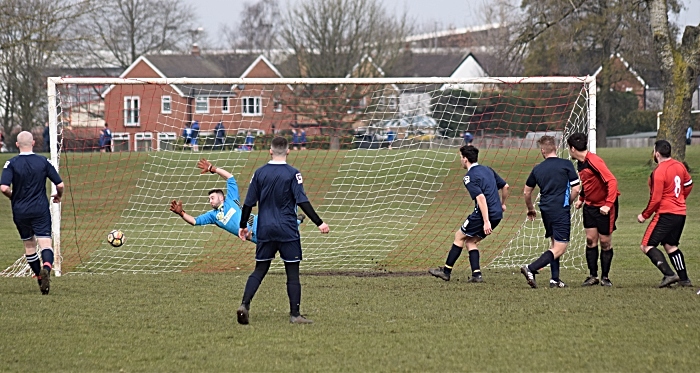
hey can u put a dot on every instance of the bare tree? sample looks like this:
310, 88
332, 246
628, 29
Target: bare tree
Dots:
259, 27
123, 30
31, 32
680, 67
337, 38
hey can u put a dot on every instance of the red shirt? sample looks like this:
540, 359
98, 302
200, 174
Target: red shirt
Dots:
599, 184
669, 186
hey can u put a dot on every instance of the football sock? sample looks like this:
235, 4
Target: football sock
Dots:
554, 267
659, 260
293, 287
474, 262
541, 262
34, 263
605, 260
47, 257
592, 260
254, 280
678, 262
452, 257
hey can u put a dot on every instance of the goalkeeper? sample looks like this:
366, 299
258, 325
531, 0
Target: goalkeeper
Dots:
226, 213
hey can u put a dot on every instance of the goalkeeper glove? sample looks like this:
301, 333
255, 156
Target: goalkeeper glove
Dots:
176, 207
206, 166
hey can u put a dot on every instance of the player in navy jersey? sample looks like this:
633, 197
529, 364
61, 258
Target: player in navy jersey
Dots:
483, 184
226, 210
27, 174
559, 187
278, 189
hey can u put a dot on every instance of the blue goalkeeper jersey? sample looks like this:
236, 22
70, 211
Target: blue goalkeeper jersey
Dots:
228, 215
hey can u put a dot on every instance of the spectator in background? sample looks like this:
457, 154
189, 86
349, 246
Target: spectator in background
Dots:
302, 139
689, 135
195, 134
295, 139
187, 135
249, 141
390, 137
106, 139
47, 139
219, 136
274, 131
468, 138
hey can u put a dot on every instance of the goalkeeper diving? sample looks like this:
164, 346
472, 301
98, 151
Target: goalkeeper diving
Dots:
226, 209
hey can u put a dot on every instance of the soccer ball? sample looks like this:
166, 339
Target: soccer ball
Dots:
116, 238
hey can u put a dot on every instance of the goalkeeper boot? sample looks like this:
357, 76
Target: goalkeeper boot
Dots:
439, 272
605, 282
242, 315
668, 281
476, 279
301, 218
45, 281
557, 284
685, 283
590, 281
529, 276
299, 320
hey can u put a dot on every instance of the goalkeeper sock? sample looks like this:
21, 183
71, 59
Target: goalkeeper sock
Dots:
293, 287
47, 258
554, 267
605, 260
452, 257
254, 280
34, 264
474, 263
659, 261
592, 260
678, 262
541, 262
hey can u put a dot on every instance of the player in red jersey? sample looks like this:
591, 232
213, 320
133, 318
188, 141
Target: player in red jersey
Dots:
600, 208
669, 186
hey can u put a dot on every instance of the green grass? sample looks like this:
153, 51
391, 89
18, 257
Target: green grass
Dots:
186, 321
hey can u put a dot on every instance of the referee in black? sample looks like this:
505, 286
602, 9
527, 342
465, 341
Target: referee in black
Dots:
279, 189
27, 174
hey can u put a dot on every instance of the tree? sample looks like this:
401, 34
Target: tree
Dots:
338, 38
680, 67
120, 31
31, 32
259, 27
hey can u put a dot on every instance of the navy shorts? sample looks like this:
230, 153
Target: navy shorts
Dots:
474, 225
28, 227
557, 225
289, 251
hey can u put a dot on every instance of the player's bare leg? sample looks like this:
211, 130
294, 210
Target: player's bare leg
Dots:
678, 262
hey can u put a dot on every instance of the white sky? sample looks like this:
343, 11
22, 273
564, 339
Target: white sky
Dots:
212, 14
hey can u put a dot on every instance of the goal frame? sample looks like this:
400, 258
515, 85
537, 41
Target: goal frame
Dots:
53, 82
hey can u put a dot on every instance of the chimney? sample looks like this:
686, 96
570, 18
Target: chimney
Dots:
195, 50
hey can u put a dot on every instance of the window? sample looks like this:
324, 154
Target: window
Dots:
131, 111
251, 106
166, 104
224, 105
277, 104
201, 104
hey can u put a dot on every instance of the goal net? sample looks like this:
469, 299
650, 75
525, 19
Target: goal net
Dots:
379, 159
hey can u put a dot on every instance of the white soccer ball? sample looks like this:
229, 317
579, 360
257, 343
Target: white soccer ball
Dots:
116, 238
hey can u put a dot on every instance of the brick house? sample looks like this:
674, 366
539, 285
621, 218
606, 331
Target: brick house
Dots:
144, 117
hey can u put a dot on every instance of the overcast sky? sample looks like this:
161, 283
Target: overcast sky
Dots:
212, 14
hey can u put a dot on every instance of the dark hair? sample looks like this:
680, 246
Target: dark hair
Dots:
470, 152
279, 145
219, 191
663, 147
578, 141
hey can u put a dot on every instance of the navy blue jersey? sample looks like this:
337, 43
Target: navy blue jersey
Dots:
555, 177
278, 189
484, 180
27, 174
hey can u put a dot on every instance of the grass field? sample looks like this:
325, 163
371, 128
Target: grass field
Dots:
186, 321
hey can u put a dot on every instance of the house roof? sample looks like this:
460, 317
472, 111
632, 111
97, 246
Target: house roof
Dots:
430, 64
204, 66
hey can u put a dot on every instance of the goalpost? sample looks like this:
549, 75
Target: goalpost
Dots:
379, 162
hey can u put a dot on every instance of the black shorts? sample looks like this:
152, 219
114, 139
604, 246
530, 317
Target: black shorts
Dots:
557, 225
289, 251
605, 224
29, 227
664, 229
473, 226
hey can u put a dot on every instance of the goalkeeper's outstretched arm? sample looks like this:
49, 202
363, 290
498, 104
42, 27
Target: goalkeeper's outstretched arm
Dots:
176, 207
206, 166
